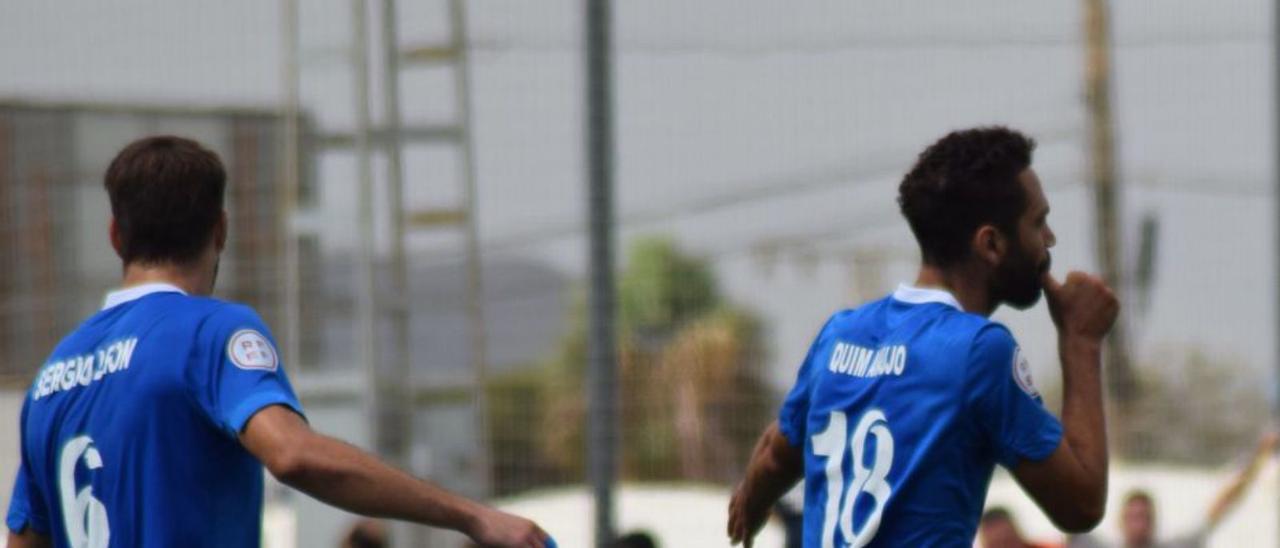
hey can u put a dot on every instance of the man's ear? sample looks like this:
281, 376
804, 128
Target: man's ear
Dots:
113, 232
989, 244
220, 232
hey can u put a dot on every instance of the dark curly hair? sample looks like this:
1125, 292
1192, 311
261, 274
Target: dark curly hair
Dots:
966, 179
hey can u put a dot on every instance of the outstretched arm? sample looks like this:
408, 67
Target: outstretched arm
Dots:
774, 468
349, 478
1232, 492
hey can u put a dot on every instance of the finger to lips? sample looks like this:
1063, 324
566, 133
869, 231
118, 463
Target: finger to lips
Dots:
1050, 283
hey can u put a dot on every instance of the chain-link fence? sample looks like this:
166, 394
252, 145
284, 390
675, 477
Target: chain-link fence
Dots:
60, 262
420, 250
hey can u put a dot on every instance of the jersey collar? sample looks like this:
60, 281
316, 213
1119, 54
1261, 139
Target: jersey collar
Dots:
921, 295
121, 296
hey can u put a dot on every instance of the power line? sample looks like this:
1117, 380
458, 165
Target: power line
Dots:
812, 46
847, 175
840, 238
1205, 185
857, 174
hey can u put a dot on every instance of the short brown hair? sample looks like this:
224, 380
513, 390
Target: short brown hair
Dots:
166, 196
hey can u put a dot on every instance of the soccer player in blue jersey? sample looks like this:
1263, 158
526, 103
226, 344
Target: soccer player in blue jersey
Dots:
149, 425
903, 406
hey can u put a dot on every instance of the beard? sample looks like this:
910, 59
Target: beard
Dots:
1018, 281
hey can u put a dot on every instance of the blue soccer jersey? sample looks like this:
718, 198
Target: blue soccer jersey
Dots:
903, 407
130, 430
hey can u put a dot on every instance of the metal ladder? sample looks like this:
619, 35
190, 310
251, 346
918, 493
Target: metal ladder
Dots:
391, 394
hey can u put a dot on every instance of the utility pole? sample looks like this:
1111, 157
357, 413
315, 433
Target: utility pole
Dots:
478, 332
396, 397
602, 386
1120, 378
366, 282
1275, 166
290, 288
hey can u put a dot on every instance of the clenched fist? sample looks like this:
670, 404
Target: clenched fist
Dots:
1083, 306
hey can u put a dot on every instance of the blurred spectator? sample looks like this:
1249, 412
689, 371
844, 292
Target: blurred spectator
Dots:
1138, 513
996, 529
634, 539
366, 533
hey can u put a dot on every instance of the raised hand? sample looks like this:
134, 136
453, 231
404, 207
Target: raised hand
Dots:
1083, 306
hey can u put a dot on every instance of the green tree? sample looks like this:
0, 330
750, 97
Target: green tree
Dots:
690, 394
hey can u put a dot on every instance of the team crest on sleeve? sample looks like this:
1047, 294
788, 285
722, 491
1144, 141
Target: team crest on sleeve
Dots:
1022, 374
249, 349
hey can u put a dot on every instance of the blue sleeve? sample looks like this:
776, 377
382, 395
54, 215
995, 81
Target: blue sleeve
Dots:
241, 372
26, 507
1004, 403
794, 416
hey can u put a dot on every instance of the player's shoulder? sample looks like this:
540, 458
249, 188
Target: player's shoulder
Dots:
238, 329
841, 321
974, 336
840, 318
220, 315
850, 317
992, 348
970, 328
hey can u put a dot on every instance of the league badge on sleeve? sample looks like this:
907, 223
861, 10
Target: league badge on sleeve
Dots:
249, 349
1022, 374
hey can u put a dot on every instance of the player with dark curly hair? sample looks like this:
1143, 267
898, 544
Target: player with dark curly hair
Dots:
904, 406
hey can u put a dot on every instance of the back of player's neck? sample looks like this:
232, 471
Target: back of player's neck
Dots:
186, 278
966, 288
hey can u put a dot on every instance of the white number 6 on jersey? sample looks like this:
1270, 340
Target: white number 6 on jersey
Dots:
831, 443
84, 516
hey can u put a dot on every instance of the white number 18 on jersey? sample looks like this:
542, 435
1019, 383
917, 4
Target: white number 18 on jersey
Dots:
832, 443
